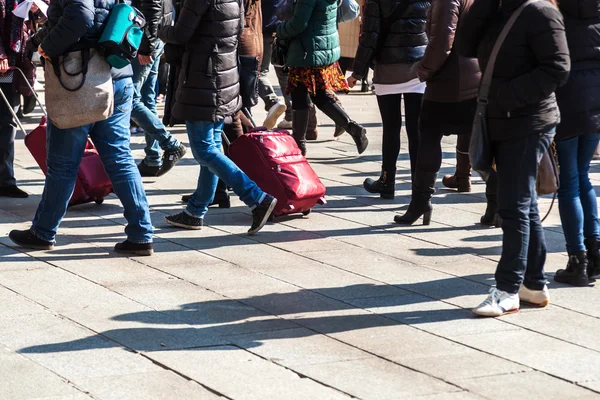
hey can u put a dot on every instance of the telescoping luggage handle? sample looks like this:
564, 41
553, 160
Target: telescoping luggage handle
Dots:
8, 105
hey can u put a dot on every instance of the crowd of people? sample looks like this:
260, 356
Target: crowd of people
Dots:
431, 56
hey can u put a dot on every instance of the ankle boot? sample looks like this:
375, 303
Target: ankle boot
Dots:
299, 127
339, 116
385, 185
461, 180
576, 273
593, 254
491, 217
420, 203
311, 130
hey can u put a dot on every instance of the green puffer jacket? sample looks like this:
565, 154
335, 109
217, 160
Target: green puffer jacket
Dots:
312, 34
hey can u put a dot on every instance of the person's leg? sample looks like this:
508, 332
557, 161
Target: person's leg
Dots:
282, 77
412, 110
111, 138
491, 217
8, 131
265, 89
591, 229
461, 179
391, 116
301, 104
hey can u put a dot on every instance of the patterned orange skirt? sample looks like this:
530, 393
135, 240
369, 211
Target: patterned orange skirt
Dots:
328, 77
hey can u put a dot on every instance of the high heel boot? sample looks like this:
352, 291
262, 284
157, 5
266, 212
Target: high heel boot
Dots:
299, 126
339, 116
420, 203
385, 185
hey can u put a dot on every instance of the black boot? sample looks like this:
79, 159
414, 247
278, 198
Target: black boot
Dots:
385, 185
593, 254
339, 116
576, 273
491, 217
420, 203
299, 127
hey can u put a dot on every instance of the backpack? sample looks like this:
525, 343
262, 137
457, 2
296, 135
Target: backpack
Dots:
122, 35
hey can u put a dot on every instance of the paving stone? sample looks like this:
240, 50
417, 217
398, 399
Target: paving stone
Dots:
15, 305
535, 384
254, 377
464, 395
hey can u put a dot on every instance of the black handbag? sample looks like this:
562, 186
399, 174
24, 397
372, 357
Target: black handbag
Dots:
480, 150
249, 69
279, 53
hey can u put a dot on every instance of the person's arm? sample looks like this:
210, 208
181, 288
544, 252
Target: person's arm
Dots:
77, 17
369, 39
152, 11
443, 21
285, 10
187, 21
547, 40
299, 22
472, 25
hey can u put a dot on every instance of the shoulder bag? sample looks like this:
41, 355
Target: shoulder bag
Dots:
348, 10
480, 150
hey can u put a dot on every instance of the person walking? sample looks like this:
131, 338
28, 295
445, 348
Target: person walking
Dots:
313, 69
449, 103
12, 54
577, 137
209, 91
522, 116
75, 25
158, 13
394, 39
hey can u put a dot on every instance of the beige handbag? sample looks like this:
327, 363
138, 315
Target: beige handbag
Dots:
79, 89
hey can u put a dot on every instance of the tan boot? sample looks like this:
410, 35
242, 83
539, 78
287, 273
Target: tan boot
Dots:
461, 180
311, 132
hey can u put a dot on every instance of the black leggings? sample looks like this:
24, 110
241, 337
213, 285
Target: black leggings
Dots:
301, 99
391, 116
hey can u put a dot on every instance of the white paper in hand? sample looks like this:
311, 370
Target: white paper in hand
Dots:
22, 10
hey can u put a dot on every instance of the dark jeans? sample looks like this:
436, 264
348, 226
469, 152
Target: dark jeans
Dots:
8, 130
577, 202
391, 116
523, 244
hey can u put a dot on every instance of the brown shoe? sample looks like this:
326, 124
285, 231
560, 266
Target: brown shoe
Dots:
461, 180
311, 131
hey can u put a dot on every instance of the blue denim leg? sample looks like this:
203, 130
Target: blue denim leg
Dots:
523, 244
8, 131
144, 110
587, 146
205, 141
111, 138
64, 149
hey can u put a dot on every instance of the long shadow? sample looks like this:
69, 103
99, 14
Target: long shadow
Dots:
221, 321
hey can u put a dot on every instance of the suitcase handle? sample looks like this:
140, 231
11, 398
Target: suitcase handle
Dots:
10, 109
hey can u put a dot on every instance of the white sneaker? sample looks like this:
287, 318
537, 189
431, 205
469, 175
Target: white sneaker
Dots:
498, 303
285, 124
273, 115
540, 298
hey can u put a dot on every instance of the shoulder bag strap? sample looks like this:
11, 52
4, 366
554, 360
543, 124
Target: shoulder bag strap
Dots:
486, 81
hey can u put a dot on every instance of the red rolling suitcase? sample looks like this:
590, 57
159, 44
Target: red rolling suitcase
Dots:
273, 160
92, 182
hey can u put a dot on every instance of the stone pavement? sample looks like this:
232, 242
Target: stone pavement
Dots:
342, 304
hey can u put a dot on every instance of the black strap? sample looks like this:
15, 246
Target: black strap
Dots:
85, 60
486, 80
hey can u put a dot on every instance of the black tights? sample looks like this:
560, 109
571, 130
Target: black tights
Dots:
301, 99
391, 116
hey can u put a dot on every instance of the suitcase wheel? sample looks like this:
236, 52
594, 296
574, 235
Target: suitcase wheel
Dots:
307, 212
99, 201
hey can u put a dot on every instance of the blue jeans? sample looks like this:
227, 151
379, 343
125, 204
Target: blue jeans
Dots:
523, 243
576, 197
65, 149
205, 141
144, 114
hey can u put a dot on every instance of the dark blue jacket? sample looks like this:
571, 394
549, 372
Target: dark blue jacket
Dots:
270, 20
74, 25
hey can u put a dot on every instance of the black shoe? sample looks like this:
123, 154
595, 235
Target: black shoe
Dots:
416, 210
146, 170
576, 273
171, 158
359, 134
13, 191
184, 220
261, 214
385, 185
299, 128
134, 249
28, 104
593, 254
222, 201
491, 217
420, 203
28, 240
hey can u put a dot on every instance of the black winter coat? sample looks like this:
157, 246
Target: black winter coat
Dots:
579, 98
533, 62
269, 17
404, 44
75, 25
208, 87
158, 13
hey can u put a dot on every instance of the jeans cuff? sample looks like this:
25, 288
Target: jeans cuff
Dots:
535, 285
193, 215
139, 241
260, 200
37, 235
